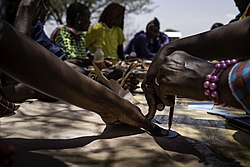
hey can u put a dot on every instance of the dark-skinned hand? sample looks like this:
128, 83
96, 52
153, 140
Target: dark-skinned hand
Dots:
177, 74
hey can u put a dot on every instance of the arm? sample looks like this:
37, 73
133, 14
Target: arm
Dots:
25, 15
40, 36
142, 49
163, 39
64, 83
121, 40
129, 47
93, 38
183, 75
226, 42
120, 52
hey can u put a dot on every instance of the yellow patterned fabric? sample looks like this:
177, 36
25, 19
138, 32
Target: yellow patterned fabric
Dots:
108, 38
73, 42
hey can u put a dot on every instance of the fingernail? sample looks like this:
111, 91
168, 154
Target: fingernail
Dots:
160, 107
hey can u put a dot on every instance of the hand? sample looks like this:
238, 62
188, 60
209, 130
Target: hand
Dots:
108, 63
183, 75
132, 115
175, 74
131, 82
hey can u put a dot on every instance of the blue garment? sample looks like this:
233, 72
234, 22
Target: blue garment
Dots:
146, 48
40, 36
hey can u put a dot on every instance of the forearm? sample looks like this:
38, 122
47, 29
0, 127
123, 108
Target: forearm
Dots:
35, 66
229, 41
42, 70
142, 47
225, 94
191, 77
146, 54
24, 16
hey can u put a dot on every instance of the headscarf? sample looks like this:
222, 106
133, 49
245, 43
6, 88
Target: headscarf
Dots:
155, 22
111, 11
74, 10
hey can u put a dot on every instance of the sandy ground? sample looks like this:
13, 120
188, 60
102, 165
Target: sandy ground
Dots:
59, 134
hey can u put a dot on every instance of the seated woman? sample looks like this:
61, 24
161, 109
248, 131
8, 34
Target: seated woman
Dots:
146, 44
108, 33
72, 36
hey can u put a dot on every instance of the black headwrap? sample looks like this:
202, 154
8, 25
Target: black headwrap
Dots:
111, 11
154, 22
73, 10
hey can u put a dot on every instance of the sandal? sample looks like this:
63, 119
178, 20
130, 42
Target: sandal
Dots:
7, 107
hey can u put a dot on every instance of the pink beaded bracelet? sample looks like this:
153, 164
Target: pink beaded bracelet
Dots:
211, 83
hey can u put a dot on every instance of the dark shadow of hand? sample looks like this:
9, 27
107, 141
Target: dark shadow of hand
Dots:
180, 145
109, 132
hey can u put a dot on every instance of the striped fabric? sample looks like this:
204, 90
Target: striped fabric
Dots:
239, 82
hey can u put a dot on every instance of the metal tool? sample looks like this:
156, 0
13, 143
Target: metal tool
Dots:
171, 114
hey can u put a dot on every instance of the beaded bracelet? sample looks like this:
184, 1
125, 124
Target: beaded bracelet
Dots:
211, 83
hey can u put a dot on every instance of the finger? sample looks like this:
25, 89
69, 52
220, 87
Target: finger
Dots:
168, 100
151, 112
125, 86
166, 95
159, 103
132, 80
150, 97
132, 87
160, 106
